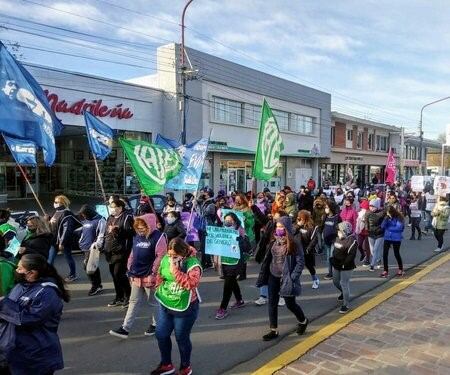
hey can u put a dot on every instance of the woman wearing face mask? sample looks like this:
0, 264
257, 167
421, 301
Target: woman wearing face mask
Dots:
118, 243
177, 292
35, 306
374, 218
174, 226
393, 225
149, 246
92, 236
242, 205
343, 262
348, 213
232, 268
307, 232
281, 271
171, 205
330, 223
63, 224
339, 196
38, 239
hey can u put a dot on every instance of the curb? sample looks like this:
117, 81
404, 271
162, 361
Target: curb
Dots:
310, 342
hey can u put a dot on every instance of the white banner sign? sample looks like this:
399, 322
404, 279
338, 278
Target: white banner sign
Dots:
417, 183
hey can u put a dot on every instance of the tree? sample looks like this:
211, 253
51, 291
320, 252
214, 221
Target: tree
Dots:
441, 138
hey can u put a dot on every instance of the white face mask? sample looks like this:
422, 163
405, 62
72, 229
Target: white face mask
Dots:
327, 211
56, 205
341, 235
114, 211
170, 220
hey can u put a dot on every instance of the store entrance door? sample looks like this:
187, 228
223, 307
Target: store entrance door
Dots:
236, 179
16, 186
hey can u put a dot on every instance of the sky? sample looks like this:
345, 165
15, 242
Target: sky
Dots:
380, 60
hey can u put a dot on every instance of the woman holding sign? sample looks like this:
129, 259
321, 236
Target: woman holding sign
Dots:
232, 268
281, 271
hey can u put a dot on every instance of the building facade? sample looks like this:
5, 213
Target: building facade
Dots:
224, 103
133, 111
359, 150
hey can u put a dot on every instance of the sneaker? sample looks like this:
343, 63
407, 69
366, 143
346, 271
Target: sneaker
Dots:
379, 265
221, 314
328, 276
400, 273
371, 269
185, 371
281, 302
315, 284
301, 327
437, 250
366, 263
151, 330
343, 310
409, 224
125, 303
341, 297
238, 304
270, 336
121, 333
163, 370
362, 257
95, 290
115, 303
384, 274
261, 301
71, 278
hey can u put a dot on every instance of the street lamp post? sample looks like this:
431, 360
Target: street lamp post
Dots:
183, 74
421, 129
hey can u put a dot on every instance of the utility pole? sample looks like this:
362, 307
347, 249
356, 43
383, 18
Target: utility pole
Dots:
183, 76
402, 152
421, 129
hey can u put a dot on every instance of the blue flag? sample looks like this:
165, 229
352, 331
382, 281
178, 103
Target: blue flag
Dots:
193, 157
24, 152
100, 136
24, 109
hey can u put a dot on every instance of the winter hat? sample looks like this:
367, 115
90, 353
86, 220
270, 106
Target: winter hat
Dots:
346, 228
375, 203
287, 223
364, 204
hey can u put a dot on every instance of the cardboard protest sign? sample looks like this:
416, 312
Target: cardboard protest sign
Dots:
193, 233
222, 241
441, 185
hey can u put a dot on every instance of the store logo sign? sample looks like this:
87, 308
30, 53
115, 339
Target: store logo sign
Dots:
96, 107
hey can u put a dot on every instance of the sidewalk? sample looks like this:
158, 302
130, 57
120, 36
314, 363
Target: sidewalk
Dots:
407, 334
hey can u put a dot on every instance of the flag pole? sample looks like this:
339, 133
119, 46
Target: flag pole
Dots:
31, 188
28, 182
99, 177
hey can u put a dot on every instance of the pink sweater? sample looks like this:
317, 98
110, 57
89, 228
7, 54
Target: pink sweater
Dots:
350, 215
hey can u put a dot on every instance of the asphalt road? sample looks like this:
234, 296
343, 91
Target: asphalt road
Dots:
218, 346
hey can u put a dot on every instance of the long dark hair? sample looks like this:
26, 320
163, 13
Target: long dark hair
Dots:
36, 262
179, 246
395, 214
237, 222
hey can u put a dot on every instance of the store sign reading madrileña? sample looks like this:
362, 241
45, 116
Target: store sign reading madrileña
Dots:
96, 107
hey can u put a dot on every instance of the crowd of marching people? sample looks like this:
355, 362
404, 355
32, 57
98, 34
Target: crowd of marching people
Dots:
151, 260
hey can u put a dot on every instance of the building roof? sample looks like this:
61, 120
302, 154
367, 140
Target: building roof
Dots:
430, 143
357, 120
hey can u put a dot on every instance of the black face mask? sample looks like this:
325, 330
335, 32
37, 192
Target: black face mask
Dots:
19, 277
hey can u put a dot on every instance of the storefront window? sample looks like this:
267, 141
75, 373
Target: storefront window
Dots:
236, 175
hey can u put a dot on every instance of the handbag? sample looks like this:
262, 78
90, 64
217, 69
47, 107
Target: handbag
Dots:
94, 260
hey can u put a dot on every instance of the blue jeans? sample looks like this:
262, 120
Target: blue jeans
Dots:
328, 251
51, 255
70, 261
263, 291
182, 323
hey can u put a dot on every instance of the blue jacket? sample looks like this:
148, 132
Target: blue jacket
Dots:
143, 254
393, 229
37, 307
292, 270
92, 231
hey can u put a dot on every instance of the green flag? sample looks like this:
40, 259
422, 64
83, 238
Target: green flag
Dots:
153, 164
269, 147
